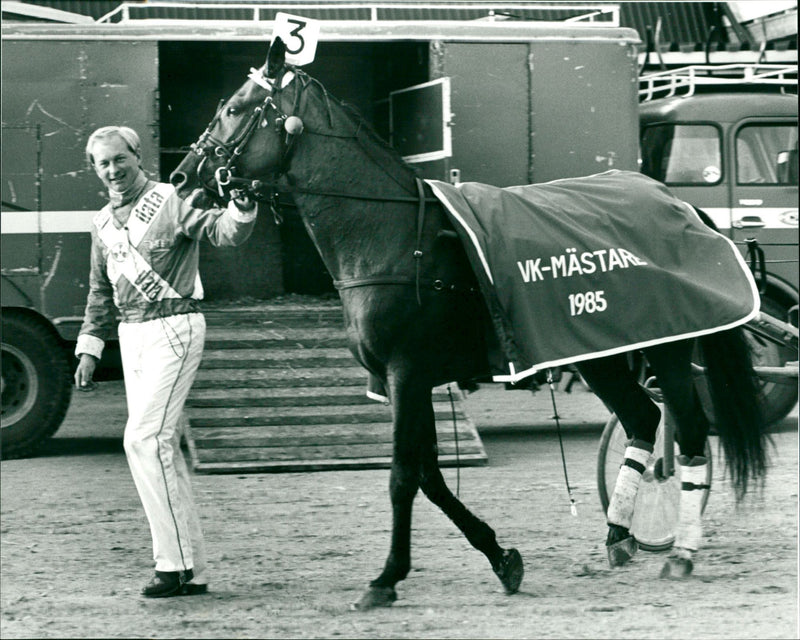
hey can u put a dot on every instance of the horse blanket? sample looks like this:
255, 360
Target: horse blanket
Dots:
587, 267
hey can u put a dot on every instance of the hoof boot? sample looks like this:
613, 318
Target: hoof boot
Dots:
510, 570
620, 553
676, 568
375, 597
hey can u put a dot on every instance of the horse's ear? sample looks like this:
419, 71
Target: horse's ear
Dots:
276, 57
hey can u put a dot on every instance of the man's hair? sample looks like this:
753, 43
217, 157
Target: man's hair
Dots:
130, 137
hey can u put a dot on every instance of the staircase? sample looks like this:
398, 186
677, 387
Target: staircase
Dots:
278, 391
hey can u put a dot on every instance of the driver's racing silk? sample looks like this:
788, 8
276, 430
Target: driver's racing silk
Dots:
124, 259
148, 269
581, 268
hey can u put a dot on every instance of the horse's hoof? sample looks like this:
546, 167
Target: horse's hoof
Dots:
620, 553
510, 570
376, 597
676, 568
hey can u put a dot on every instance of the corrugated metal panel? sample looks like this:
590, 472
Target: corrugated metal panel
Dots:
93, 8
511, 10
681, 22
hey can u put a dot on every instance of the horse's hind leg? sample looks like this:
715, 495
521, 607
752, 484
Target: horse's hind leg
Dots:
613, 382
672, 366
506, 563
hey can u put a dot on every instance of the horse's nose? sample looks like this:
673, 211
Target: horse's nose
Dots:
178, 179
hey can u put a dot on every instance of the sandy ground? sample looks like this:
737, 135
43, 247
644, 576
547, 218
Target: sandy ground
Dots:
291, 552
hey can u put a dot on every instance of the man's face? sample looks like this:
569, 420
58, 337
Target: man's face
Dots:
116, 165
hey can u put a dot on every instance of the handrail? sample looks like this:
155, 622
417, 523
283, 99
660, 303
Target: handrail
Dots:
495, 10
665, 84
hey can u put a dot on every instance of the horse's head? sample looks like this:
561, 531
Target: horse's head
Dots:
248, 143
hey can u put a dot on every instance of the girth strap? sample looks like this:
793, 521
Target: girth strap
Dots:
372, 280
368, 281
416, 281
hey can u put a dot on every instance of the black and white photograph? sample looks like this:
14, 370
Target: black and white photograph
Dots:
391, 319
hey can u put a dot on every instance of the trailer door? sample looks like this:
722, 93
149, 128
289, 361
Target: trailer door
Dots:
490, 104
419, 118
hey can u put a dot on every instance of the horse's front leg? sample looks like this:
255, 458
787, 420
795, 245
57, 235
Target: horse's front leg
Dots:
506, 563
410, 402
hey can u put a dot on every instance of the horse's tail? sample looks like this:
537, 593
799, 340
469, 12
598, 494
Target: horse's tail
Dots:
737, 404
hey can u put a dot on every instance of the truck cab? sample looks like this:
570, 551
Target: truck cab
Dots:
728, 145
724, 138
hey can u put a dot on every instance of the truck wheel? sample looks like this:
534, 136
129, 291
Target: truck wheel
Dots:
36, 385
780, 398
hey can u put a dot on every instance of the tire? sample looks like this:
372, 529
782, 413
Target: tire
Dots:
36, 385
655, 514
780, 398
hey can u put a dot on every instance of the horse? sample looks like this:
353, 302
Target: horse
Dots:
405, 283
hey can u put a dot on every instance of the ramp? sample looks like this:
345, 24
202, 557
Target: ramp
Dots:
278, 391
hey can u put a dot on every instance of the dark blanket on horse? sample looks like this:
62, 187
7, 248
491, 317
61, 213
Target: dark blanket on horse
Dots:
581, 268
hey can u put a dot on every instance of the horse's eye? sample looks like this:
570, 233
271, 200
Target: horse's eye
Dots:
232, 111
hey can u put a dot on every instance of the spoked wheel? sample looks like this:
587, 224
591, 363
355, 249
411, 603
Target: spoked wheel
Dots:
656, 512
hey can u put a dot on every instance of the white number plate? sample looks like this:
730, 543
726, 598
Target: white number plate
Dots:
300, 35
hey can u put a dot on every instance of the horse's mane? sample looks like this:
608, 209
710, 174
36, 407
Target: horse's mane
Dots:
354, 116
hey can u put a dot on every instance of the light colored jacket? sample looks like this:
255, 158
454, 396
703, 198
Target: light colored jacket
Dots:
148, 269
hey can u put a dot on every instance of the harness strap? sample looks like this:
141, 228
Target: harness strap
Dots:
390, 279
371, 280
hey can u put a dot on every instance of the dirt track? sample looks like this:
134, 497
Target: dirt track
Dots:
291, 552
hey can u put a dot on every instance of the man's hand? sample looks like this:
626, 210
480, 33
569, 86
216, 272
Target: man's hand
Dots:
84, 372
243, 201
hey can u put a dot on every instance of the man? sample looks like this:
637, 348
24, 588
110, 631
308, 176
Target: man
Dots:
144, 262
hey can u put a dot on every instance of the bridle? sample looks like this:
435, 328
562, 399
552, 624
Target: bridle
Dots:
224, 176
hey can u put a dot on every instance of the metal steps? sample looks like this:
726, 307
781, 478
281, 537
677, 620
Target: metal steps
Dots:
279, 391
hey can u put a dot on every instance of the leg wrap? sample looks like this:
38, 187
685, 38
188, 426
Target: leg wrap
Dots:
620, 509
693, 481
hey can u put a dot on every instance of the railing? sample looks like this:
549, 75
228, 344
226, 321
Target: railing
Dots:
685, 80
589, 14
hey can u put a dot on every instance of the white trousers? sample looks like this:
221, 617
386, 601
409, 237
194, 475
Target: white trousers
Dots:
160, 360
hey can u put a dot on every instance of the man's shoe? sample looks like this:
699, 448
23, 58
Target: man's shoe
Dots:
165, 584
192, 589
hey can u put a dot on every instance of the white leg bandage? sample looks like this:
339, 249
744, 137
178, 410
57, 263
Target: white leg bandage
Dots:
620, 509
693, 483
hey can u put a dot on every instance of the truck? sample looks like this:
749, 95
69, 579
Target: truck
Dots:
724, 138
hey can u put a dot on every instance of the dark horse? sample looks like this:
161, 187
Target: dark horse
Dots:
415, 318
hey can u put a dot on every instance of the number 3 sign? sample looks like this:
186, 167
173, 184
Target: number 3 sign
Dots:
300, 35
